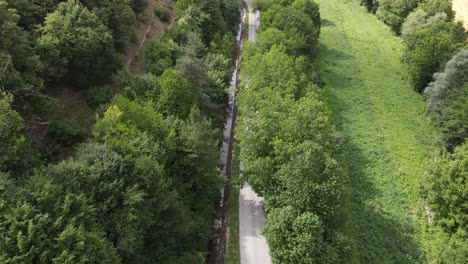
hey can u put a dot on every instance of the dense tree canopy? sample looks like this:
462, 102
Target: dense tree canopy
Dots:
289, 149
142, 187
73, 40
447, 100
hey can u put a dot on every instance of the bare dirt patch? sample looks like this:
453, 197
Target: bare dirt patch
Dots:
151, 28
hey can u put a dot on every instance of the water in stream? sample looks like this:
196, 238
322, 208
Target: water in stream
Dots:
218, 243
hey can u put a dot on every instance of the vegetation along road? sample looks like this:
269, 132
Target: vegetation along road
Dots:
253, 245
388, 134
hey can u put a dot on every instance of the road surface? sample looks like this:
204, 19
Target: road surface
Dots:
253, 245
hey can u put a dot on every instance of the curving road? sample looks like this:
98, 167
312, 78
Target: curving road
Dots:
253, 245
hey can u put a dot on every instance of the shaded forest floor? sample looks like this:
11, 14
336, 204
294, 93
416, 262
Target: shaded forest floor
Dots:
388, 134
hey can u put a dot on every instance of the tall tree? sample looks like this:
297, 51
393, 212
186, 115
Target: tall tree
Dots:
74, 41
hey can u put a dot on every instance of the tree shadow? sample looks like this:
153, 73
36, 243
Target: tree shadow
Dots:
327, 23
378, 235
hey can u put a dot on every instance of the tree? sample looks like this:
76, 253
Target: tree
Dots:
19, 65
161, 55
32, 13
454, 76
294, 237
447, 185
231, 13
394, 12
13, 143
290, 19
455, 118
73, 40
176, 95
429, 48
120, 18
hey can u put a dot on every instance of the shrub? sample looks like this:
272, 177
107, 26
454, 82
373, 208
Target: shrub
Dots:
98, 95
163, 13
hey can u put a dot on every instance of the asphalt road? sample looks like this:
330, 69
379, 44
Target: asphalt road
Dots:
253, 245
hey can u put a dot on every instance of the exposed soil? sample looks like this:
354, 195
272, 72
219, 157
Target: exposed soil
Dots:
151, 28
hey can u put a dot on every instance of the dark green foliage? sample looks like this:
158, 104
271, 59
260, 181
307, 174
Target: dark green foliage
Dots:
160, 56
447, 100
20, 67
433, 7
455, 117
32, 13
120, 19
142, 189
394, 12
231, 13
97, 95
446, 192
163, 13
74, 41
429, 48
371, 5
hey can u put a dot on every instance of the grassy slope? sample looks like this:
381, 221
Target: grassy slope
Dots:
389, 135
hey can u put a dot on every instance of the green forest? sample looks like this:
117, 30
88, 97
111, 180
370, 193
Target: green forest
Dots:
352, 124
136, 182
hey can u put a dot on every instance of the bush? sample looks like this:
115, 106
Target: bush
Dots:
394, 12
98, 95
428, 49
163, 13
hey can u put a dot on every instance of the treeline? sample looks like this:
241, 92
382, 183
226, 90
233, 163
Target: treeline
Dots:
289, 146
436, 52
142, 188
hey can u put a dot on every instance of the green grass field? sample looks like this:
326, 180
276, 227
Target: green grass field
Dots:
389, 136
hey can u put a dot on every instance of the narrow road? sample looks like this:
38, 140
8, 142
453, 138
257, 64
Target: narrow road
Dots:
253, 245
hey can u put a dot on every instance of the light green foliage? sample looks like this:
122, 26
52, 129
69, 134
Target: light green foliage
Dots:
394, 12
73, 40
429, 48
294, 237
388, 137
289, 148
160, 56
11, 124
290, 19
176, 96
420, 19
447, 190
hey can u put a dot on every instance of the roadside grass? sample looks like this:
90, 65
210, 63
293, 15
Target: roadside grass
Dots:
389, 136
233, 252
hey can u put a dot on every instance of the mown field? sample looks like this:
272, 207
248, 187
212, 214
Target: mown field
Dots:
388, 135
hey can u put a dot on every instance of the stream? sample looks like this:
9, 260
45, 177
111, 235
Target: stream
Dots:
218, 244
